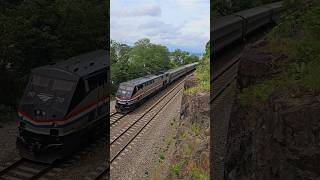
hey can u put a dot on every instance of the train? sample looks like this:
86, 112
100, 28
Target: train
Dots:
62, 106
229, 29
133, 93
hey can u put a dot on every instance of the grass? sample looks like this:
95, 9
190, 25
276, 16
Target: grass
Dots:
161, 157
195, 129
202, 75
188, 149
176, 168
199, 174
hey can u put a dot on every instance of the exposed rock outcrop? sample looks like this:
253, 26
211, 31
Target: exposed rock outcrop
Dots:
192, 139
256, 64
276, 139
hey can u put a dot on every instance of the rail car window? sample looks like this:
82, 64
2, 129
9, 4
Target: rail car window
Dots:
40, 81
97, 80
140, 86
62, 85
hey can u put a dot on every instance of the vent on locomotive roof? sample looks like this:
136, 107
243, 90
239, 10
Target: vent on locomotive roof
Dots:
91, 64
160, 72
75, 70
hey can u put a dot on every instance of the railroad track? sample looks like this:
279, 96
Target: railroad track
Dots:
224, 78
115, 117
23, 169
131, 133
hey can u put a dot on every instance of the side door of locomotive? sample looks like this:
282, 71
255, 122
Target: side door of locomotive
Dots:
102, 95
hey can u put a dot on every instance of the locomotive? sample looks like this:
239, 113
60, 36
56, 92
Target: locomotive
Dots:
133, 93
62, 106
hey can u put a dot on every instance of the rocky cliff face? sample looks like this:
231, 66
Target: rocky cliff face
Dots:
191, 156
275, 139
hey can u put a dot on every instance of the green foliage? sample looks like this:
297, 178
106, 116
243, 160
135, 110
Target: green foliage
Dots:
34, 33
195, 129
148, 58
188, 149
311, 79
162, 157
179, 58
202, 74
257, 93
199, 174
176, 168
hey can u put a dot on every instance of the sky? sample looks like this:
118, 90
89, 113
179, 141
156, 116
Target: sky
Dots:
183, 24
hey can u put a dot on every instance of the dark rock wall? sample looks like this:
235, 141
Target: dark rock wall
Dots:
276, 139
280, 140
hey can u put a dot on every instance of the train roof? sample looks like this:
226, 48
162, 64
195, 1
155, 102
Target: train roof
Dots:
176, 69
224, 21
257, 10
80, 65
147, 78
140, 80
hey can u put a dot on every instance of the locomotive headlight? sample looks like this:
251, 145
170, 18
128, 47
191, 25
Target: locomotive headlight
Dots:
38, 112
43, 113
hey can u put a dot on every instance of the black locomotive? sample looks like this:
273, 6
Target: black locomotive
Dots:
62, 105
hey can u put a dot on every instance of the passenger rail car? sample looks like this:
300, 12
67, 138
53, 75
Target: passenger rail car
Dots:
134, 92
229, 29
62, 106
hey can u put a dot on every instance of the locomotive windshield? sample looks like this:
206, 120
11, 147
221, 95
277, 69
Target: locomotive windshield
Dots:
62, 85
124, 91
46, 91
44, 82
40, 81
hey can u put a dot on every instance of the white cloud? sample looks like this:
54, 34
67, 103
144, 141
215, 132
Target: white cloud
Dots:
183, 24
152, 11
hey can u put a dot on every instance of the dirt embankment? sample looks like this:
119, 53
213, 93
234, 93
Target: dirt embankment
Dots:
276, 134
191, 156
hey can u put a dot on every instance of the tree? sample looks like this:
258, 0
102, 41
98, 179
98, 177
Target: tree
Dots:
179, 57
147, 58
34, 33
119, 55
